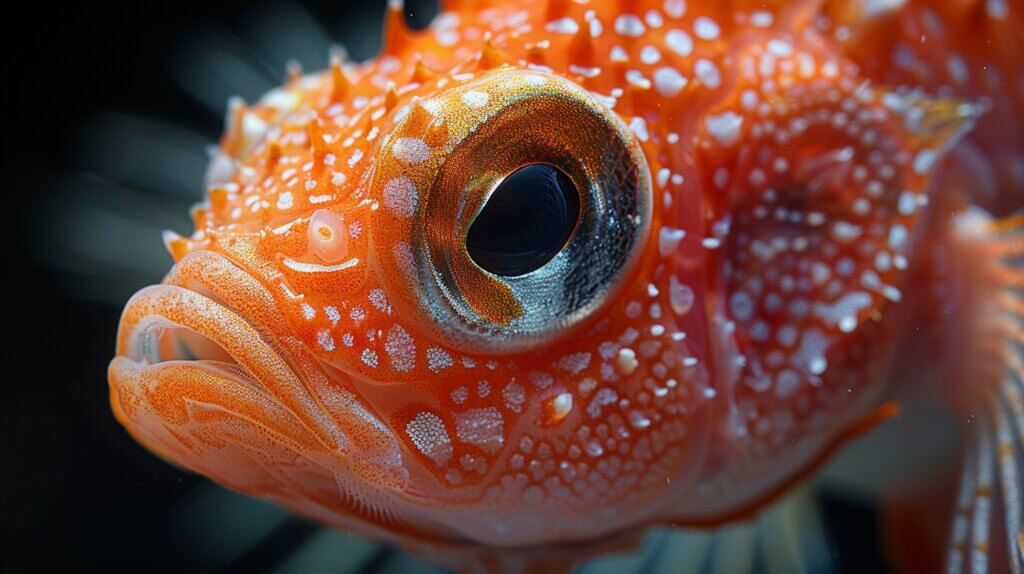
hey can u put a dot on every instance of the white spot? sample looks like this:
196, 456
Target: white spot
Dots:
907, 203
786, 383
460, 395
675, 8
411, 151
475, 99
654, 19
638, 126
997, 9
630, 26
586, 72
811, 354
400, 196
725, 127
638, 420
514, 396
356, 156
333, 315
426, 431
707, 73
668, 240
603, 398
848, 324
650, 55
741, 306
379, 299
285, 200
324, 339
541, 380
845, 232
897, 237
843, 310
535, 80
438, 359
680, 296
566, 26
761, 19
679, 42
561, 405
626, 361
400, 349
369, 358
481, 427
706, 29
780, 48
957, 69
637, 78
663, 175
924, 161
575, 363
668, 81
875, 8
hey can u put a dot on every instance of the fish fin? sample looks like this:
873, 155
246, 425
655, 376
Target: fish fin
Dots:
986, 531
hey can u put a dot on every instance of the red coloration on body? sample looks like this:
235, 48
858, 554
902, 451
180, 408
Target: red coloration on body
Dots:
325, 341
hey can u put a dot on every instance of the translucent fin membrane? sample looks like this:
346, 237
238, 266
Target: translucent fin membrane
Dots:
986, 531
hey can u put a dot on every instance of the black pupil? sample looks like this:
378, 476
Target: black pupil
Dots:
526, 221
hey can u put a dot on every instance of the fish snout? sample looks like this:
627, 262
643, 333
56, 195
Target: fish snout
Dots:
207, 376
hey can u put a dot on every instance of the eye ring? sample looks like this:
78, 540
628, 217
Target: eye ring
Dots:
424, 256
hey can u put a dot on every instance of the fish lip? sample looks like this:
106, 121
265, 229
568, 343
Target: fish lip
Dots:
213, 298
151, 340
185, 288
139, 359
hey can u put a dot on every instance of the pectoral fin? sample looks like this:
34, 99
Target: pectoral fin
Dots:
986, 532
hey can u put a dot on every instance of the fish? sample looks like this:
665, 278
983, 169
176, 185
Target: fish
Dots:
547, 273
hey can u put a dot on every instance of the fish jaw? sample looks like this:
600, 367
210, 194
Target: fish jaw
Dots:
204, 378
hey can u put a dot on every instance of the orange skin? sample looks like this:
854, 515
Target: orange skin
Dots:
748, 335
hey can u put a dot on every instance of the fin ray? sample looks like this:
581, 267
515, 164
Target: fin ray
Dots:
989, 496
1009, 461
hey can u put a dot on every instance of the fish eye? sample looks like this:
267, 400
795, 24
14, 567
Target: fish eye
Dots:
502, 233
526, 221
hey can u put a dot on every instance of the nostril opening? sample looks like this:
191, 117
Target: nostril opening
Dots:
526, 221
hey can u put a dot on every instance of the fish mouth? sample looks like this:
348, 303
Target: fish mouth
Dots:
207, 377
190, 321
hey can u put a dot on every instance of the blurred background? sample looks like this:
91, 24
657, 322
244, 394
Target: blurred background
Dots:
110, 111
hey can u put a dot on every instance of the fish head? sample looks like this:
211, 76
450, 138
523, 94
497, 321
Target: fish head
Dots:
418, 375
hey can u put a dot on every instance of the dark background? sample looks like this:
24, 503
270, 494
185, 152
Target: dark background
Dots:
95, 110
